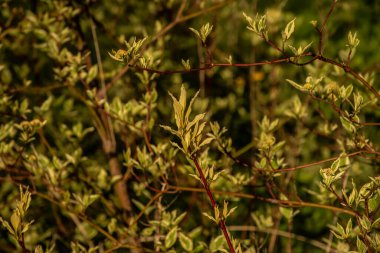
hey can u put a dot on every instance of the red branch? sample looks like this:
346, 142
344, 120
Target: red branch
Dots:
213, 203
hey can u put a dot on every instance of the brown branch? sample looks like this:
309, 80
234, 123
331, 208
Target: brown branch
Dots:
317, 163
343, 113
315, 57
350, 71
287, 203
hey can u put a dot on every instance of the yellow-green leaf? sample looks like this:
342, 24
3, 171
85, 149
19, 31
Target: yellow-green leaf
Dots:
171, 237
15, 221
186, 242
217, 243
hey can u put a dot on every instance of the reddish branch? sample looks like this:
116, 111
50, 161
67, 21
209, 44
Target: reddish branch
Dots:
213, 203
289, 59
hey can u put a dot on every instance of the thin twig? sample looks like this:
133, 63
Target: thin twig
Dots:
317, 162
286, 203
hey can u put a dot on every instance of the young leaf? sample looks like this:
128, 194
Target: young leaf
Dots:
196, 32
210, 217
196, 119
171, 237
296, 85
179, 218
217, 243
186, 64
289, 29
190, 106
182, 98
362, 248
186, 242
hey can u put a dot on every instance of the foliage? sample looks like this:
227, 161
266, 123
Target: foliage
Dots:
189, 126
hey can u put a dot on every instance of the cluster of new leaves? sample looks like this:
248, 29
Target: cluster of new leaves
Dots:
18, 223
350, 103
203, 33
217, 215
336, 171
132, 52
258, 25
363, 202
270, 149
190, 132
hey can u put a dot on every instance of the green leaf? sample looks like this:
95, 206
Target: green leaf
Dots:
286, 211
186, 242
196, 32
26, 226
7, 226
289, 29
205, 32
177, 146
92, 73
186, 64
178, 111
15, 221
196, 232
348, 227
169, 129
24, 107
210, 217
349, 90
46, 104
120, 55
348, 125
179, 218
365, 223
376, 222
190, 106
171, 237
217, 243
296, 85
206, 141
182, 97
196, 177
353, 197
231, 211
353, 41
198, 129
38, 249
196, 119
362, 248
340, 162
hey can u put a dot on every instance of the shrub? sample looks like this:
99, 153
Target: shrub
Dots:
196, 126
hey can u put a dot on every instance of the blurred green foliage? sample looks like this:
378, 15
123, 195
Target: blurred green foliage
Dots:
85, 87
